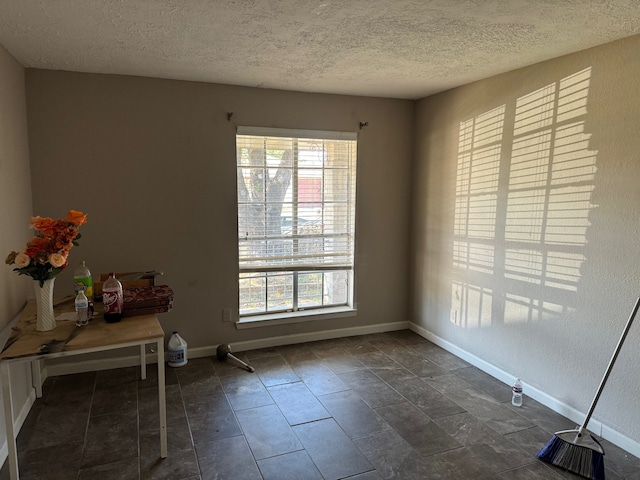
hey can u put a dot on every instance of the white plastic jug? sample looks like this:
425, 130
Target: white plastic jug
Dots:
177, 351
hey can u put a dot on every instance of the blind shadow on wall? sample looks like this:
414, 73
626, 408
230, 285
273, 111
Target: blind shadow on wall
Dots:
524, 182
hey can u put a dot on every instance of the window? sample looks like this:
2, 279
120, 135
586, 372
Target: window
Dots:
296, 220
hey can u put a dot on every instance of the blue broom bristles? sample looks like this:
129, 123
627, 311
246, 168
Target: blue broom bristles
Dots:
578, 459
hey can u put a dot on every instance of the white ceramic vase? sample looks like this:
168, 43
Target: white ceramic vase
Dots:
46, 319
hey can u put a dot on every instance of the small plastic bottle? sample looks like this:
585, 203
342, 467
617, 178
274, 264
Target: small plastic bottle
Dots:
82, 307
177, 354
112, 299
516, 397
82, 280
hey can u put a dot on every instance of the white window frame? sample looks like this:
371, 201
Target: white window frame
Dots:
296, 264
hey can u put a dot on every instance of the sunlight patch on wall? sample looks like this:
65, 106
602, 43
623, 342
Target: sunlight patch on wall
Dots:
519, 308
471, 305
544, 205
572, 98
563, 270
476, 191
523, 308
478, 173
551, 180
524, 265
535, 110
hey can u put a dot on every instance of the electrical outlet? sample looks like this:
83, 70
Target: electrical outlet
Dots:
226, 314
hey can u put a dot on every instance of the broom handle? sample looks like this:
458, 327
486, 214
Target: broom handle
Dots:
611, 362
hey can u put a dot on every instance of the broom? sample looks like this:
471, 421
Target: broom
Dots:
572, 450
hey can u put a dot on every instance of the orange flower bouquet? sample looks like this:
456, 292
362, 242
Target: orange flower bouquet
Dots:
45, 255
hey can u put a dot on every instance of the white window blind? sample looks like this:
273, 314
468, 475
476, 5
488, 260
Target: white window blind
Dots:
295, 202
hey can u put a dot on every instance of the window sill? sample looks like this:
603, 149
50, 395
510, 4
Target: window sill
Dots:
283, 318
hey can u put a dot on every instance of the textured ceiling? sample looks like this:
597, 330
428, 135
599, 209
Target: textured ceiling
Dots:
385, 48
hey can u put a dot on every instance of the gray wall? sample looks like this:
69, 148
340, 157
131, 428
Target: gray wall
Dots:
540, 274
15, 210
152, 163
15, 183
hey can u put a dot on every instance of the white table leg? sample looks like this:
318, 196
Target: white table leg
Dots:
162, 400
143, 362
8, 421
36, 377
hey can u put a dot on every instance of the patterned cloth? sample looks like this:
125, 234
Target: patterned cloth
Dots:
147, 300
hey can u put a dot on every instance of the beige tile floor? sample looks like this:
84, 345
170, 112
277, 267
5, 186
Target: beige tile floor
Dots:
381, 406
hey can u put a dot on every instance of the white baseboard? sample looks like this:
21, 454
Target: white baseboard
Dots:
314, 336
553, 403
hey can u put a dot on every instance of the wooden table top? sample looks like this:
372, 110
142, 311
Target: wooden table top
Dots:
25, 341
